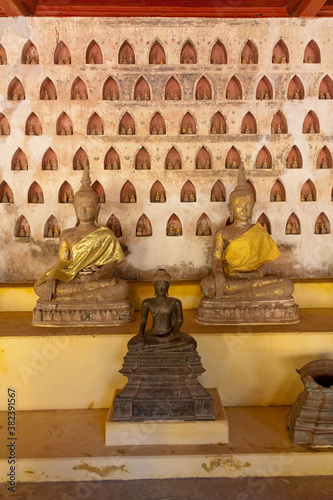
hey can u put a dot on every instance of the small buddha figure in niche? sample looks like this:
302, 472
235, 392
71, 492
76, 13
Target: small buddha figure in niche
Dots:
294, 163
189, 129
317, 229
176, 95
162, 197
240, 257
169, 165
294, 228
114, 96
167, 315
322, 95
199, 230
56, 232
168, 96
283, 59
191, 196
154, 130
234, 163
185, 197
297, 95
88, 255
213, 129
328, 95
125, 197
138, 96
278, 196
132, 197
129, 130
161, 129
324, 163
312, 129
22, 232
247, 130
146, 96
177, 165
309, 196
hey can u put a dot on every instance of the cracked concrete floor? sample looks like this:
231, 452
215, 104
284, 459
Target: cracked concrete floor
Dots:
280, 488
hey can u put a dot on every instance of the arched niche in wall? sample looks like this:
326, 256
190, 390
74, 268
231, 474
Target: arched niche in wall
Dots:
112, 160
278, 192
157, 54
64, 125
51, 228
98, 188
218, 124
203, 226
218, 53
19, 160
142, 160
143, 226
322, 224
126, 125
326, 88
22, 228
308, 191
29, 53
174, 226
203, 89
157, 193
113, 223
62, 54
49, 160
95, 125
33, 125
233, 158
294, 158
249, 53
65, 193
203, 159
311, 123
279, 124
3, 55
157, 125
188, 54
293, 225
249, 124
6, 194
79, 90
188, 125
280, 53
173, 160
264, 89
172, 90
128, 193
94, 54
47, 90
126, 54
110, 90
218, 192
234, 89
295, 88
249, 184
188, 192
264, 158
142, 90
312, 53
15, 90
324, 158
80, 159
265, 222
4, 125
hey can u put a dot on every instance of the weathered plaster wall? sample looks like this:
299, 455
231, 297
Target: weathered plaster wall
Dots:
187, 256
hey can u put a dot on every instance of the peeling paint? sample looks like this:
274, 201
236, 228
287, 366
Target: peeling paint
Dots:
101, 471
228, 462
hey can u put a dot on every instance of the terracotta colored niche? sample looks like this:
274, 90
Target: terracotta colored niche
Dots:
112, 160
62, 54
64, 125
128, 193
203, 89
249, 53
280, 53
233, 158
295, 89
278, 192
94, 54
218, 54
141, 90
218, 192
15, 90
110, 90
29, 54
312, 53
142, 160
173, 160
4, 125
322, 224
51, 228
157, 193
311, 123
293, 225
265, 222
308, 191
19, 160
33, 125
174, 226
6, 194
80, 159
95, 125
157, 125
188, 125
326, 88
218, 125
98, 188
115, 226
49, 160
203, 226
126, 54
324, 159
65, 193
203, 159
79, 90
172, 90
279, 124
264, 89
47, 90
249, 124
22, 228
294, 158
143, 226
188, 53
188, 193
126, 125
264, 159
234, 89
157, 54
3, 55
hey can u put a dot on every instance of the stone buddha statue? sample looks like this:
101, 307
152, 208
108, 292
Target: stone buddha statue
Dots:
167, 315
239, 290
80, 289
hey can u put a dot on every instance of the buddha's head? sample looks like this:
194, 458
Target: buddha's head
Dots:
86, 202
241, 200
161, 282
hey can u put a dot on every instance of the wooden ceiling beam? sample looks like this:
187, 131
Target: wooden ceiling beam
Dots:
308, 8
15, 8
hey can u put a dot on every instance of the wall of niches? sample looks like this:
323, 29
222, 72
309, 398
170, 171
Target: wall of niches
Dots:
164, 111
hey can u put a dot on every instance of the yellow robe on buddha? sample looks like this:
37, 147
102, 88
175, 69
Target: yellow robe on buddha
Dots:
99, 247
251, 250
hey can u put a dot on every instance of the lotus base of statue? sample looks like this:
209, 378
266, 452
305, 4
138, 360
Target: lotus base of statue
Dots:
237, 311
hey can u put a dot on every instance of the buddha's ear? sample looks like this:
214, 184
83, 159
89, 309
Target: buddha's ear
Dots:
98, 209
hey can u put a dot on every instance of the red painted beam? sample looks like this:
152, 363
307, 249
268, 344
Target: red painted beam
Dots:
308, 8
15, 8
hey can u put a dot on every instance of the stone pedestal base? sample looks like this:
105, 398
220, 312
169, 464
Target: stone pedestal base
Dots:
231, 312
170, 432
83, 313
163, 386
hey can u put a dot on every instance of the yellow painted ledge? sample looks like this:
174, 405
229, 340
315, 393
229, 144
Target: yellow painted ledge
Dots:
308, 294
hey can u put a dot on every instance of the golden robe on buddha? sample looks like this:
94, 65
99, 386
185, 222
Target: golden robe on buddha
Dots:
248, 252
98, 248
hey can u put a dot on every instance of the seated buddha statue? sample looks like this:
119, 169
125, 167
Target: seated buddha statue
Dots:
167, 315
81, 288
239, 290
